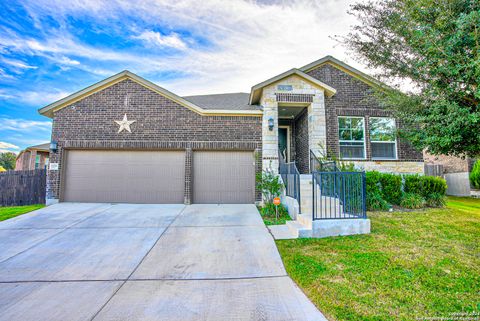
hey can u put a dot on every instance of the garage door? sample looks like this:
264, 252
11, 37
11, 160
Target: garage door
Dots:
223, 177
125, 176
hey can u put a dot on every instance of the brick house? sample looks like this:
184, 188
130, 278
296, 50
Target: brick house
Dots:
33, 157
126, 139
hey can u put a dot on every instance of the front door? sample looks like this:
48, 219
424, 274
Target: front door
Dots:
283, 142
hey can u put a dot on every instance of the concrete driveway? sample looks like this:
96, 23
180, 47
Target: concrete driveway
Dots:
74, 261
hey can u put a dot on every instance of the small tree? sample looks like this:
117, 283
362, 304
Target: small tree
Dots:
269, 184
7, 160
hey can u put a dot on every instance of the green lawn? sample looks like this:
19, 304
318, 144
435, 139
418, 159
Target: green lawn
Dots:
413, 265
12, 211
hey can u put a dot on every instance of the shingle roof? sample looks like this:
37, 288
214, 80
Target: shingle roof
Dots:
233, 101
45, 146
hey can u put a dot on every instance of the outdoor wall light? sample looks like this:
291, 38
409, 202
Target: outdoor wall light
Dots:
53, 146
270, 123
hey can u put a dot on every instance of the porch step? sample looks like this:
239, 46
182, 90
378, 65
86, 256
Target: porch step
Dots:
305, 220
281, 232
298, 229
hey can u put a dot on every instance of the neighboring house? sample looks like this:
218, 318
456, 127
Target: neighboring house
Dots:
126, 139
456, 171
33, 157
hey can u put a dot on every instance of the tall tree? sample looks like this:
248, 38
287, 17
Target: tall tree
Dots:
7, 160
433, 45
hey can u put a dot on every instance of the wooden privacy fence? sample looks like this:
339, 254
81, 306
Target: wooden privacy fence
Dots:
23, 187
433, 170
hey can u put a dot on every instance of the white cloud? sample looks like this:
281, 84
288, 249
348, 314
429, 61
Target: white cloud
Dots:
40, 98
157, 39
248, 41
24, 125
8, 148
5, 145
18, 64
67, 61
5, 75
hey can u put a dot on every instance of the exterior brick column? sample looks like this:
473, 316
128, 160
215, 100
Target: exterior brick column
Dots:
188, 176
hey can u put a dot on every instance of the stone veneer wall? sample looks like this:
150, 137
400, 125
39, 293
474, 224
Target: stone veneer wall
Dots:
353, 98
161, 124
316, 117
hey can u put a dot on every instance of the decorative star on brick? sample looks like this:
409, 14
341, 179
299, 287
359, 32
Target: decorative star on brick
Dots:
124, 124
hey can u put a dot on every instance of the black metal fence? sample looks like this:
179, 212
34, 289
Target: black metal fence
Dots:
318, 166
339, 195
23, 187
291, 179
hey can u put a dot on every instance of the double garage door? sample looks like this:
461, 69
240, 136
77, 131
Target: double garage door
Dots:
158, 176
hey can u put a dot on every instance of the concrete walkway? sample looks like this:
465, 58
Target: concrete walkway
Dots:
76, 261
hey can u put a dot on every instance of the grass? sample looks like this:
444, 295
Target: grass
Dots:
270, 218
414, 265
12, 211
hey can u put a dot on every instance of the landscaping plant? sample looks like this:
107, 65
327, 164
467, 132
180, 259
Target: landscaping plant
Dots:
391, 185
270, 185
436, 200
409, 191
412, 201
375, 202
475, 175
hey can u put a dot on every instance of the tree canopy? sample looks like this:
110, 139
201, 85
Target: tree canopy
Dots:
7, 160
434, 45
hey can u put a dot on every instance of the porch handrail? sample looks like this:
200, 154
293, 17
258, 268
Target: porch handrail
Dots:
291, 179
317, 165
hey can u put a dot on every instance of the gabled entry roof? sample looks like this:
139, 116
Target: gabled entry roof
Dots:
50, 109
256, 91
344, 67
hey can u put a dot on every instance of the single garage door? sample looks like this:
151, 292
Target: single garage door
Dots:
223, 177
124, 176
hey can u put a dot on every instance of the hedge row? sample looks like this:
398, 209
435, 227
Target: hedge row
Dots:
410, 191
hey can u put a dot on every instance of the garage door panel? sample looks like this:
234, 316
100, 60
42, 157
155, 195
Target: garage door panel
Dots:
223, 177
125, 176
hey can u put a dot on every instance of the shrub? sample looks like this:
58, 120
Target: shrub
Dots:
373, 182
475, 175
269, 184
436, 200
391, 185
375, 202
432, 184
413, 184
425, 185
412, 200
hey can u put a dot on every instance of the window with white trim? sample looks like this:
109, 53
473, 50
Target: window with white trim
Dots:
383, 142
37, 161
351, 134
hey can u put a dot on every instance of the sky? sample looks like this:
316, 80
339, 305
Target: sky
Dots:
50, 49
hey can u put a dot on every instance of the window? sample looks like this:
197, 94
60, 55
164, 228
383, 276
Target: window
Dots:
37, 161
382, 138
351, 133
